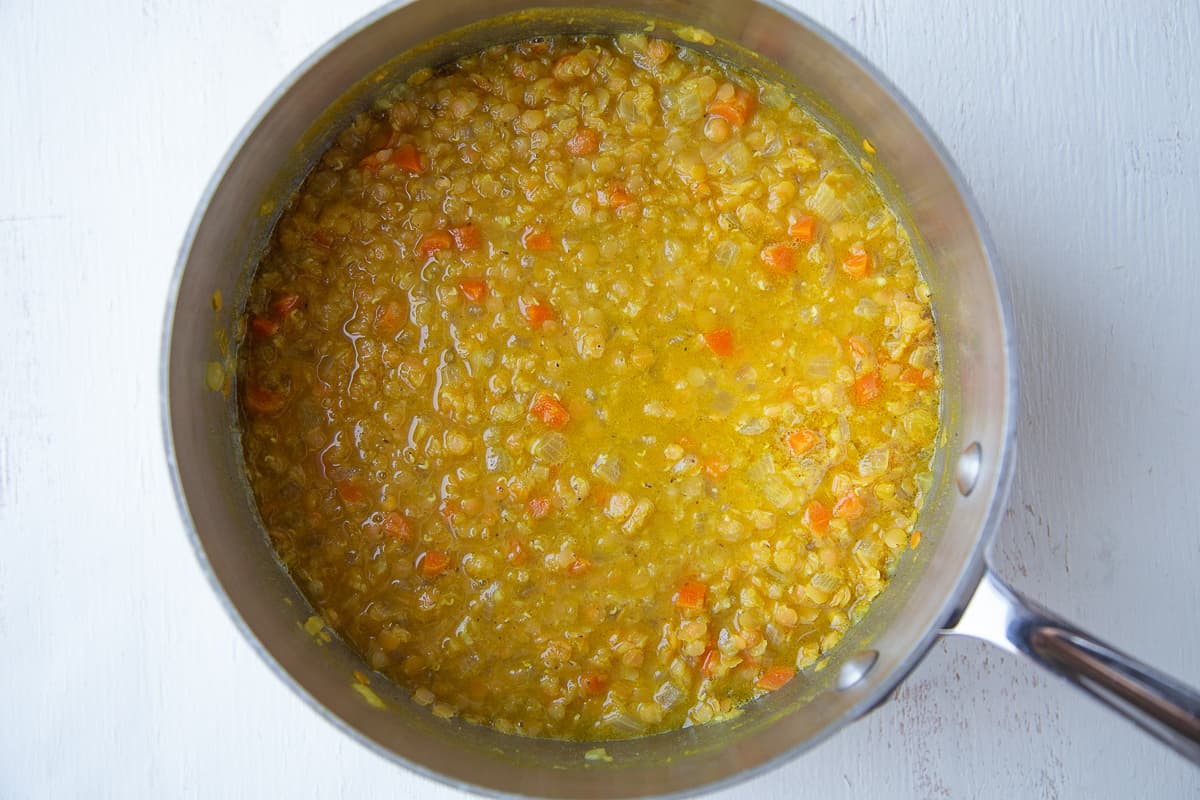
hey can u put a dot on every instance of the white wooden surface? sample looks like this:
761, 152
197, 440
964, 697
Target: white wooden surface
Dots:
1075, 122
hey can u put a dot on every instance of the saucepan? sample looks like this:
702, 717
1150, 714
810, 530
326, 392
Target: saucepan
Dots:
943, 587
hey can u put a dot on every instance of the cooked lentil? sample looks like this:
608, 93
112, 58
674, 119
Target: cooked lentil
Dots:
590, 388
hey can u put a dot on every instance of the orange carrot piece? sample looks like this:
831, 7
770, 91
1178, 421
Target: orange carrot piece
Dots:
691, 595
775, 678
585, 142
779, 259
260, 400
433, 241
395, 525
817, 516
350, 491
720, 341
579, 566
389, 317
539, 507
593, 683
407, 157
466, 237
614, 195
474, 289
801, 440
857, 263
849, 506
517, 554
432, 563
867, 387
285, 304
263, 326
535, 238
537, 314
735, 110
803, 230
547, 408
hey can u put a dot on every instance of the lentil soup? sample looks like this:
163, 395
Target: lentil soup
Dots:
589, 388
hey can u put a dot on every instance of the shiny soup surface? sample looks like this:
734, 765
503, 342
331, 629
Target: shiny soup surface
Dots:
590, 388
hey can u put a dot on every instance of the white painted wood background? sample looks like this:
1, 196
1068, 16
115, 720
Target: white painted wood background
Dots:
1076, 123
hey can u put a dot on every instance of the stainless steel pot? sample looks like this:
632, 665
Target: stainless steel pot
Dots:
945, 586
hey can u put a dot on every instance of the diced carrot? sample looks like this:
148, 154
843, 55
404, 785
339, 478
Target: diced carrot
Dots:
579, 566
535, 238
867, 387
389, 317
709, 661
715, 468
849, 506
395, 525
432, 563
547, 408
539, 507
857, 263
593, 683
585, 142
916, 377
406, 157
263, 326
817, 516
474, 289
350, 492
691, 595
517, 554
600, 494
433, 241
448, 508
260, 400
803, 230
538, 313
614, 195
801, 440
736, 109
779, 259
775, 678
467, 237
285, 304
720, 341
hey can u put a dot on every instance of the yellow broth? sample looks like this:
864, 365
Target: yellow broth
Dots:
590, 388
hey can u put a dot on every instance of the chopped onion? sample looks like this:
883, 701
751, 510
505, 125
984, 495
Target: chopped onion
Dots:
874, 463
753, 426
726, 253
607, 468
824, 202
551, 448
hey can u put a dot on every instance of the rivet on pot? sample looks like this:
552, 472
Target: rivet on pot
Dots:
967, 471
856, 668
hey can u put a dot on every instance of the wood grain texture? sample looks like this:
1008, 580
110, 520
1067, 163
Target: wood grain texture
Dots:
1074, 122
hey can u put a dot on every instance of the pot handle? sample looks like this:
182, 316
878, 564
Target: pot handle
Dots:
1164, 707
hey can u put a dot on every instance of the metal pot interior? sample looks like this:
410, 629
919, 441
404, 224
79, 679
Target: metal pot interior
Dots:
231, 229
